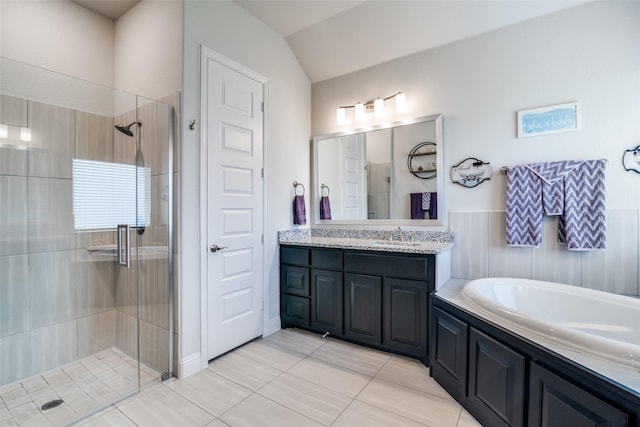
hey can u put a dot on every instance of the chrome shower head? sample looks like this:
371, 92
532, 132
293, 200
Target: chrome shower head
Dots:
127, 129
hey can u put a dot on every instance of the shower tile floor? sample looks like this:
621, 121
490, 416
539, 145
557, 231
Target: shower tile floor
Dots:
84, 386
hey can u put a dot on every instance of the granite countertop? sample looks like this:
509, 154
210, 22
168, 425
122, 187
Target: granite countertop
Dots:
626, 376
371, 240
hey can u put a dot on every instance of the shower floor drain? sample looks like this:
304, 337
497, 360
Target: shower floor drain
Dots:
51, 404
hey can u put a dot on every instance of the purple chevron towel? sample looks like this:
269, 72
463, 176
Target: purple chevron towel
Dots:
584, 224
524, 207
574, 190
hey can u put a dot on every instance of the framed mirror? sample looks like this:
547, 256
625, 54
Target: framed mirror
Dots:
385, 175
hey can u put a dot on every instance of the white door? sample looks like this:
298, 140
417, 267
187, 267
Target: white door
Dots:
233, 134
354, 183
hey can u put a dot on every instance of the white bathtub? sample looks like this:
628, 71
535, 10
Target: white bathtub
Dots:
599, 323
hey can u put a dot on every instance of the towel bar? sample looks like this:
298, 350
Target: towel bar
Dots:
504, 169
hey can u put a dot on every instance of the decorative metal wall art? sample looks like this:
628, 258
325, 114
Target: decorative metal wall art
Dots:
631, 160
471, 172
421, 160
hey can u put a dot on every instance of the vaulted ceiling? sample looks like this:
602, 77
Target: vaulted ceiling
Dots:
331, 38
337, 37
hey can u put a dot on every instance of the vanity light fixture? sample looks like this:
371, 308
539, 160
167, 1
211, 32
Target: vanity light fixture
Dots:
377, 106
359, 111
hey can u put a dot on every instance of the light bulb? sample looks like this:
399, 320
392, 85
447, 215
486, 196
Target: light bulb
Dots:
341, 115
359, 111
4, 131
378, 107
401, 103
25, 134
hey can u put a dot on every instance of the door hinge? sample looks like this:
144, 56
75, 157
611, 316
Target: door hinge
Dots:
262, 172
262, 239
262, 106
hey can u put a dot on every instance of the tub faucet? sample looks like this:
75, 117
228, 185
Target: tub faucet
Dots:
401, 236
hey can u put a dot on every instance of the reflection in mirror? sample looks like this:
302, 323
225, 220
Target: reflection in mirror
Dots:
383, 175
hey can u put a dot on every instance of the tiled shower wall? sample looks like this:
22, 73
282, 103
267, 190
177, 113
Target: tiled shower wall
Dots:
58, 300
481, 251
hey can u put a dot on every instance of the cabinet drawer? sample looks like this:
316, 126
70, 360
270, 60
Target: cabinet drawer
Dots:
295, 310
295, 280
327, 259
294, 256
405, 267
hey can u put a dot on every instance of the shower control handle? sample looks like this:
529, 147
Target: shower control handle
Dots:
216, 248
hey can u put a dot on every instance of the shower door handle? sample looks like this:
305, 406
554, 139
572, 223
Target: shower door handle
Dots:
124, 254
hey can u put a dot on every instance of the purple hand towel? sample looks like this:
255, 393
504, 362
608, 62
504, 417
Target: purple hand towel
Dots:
299, 212
325, 208
416, 206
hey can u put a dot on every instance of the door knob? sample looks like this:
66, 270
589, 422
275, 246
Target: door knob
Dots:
216, 248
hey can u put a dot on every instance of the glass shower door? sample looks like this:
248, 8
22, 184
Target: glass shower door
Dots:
79, 330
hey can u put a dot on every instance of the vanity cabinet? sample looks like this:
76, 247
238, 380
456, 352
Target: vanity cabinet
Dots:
504, 381
326, 301
377, 299
554, 401
363, 308
449, 353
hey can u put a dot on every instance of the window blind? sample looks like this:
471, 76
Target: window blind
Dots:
105, 195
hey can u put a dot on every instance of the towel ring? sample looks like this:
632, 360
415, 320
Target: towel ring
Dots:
322, 187
296, 184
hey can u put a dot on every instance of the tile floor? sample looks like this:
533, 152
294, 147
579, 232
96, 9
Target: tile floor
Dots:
85, 385
294, 378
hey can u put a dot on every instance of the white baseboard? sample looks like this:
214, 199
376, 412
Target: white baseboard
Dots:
272, 326
189, 365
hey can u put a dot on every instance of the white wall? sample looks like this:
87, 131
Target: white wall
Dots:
229, 30
148, 49
59, 36
590, 54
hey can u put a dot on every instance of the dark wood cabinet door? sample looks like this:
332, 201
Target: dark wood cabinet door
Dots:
555, 402
496, 382
449, 355
294, 280
363, 308
295, 311
404, 316
327, 299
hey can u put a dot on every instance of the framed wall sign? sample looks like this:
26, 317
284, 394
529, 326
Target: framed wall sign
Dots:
549, 120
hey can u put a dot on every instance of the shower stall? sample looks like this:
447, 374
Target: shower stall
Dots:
86, 195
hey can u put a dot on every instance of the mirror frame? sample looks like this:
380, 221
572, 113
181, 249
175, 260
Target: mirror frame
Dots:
315, 185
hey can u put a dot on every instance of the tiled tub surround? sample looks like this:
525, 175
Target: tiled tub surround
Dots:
615, 374
481, 251
59, 301
420, 242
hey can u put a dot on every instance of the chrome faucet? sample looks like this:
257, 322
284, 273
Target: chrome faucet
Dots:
401, 236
